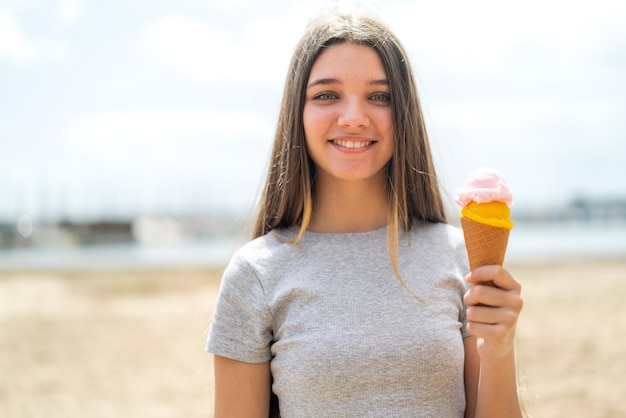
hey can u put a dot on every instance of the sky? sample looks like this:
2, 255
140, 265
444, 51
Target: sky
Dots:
114, 109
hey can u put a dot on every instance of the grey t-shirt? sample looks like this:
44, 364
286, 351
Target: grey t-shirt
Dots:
344, 337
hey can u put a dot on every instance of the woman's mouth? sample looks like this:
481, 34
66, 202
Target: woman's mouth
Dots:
352, 144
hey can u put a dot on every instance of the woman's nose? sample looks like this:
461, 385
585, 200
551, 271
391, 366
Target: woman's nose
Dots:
353, 114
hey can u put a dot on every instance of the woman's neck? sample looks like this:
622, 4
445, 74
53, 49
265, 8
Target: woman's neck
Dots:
349, 206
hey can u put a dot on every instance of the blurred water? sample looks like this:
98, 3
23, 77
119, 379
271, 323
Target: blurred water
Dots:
562, 241
527, 243
195, 254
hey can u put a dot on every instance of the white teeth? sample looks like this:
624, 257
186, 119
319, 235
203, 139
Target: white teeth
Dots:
352, 144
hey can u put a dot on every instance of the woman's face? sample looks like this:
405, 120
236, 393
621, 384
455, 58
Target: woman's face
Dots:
347, 114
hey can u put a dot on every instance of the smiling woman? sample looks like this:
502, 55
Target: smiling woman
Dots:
354, 285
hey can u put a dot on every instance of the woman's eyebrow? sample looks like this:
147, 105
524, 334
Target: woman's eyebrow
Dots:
323, 81
327, 81
381, 82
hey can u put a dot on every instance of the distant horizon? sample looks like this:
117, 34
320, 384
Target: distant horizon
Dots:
526, 212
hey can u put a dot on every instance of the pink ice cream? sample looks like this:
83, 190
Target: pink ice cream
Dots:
486, 198
484, 185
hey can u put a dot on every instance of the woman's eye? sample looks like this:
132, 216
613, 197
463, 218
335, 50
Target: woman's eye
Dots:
325, 96
381, 97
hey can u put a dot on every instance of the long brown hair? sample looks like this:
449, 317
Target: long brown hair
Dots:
414, 194
413, 189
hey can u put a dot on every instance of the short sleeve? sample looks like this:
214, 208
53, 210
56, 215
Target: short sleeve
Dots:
242, 327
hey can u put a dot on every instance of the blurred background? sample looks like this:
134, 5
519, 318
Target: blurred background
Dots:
143, 128
138, 132
134, 137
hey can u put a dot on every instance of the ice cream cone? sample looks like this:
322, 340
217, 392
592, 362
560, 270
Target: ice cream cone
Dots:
485, 244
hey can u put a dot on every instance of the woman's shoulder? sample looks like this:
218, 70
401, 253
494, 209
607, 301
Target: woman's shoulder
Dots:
265, 260
264, 248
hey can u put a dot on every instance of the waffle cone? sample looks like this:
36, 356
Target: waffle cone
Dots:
485, 244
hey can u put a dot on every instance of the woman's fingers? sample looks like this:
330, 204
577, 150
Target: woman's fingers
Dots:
495, 274
488, 315
493, 297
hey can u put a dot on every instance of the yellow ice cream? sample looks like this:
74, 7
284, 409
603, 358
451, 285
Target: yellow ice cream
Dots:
496, 214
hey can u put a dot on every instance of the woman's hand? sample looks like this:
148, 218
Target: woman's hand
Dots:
493, 307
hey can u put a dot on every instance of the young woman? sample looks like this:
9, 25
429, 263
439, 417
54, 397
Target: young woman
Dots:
354, 298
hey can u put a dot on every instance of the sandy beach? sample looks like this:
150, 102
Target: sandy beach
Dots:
95, 344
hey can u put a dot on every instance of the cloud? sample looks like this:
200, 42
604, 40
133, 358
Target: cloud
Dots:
190, 46
150, 124
69, 11
169, 137
13, 44
17, 47
476, 35
257, 51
